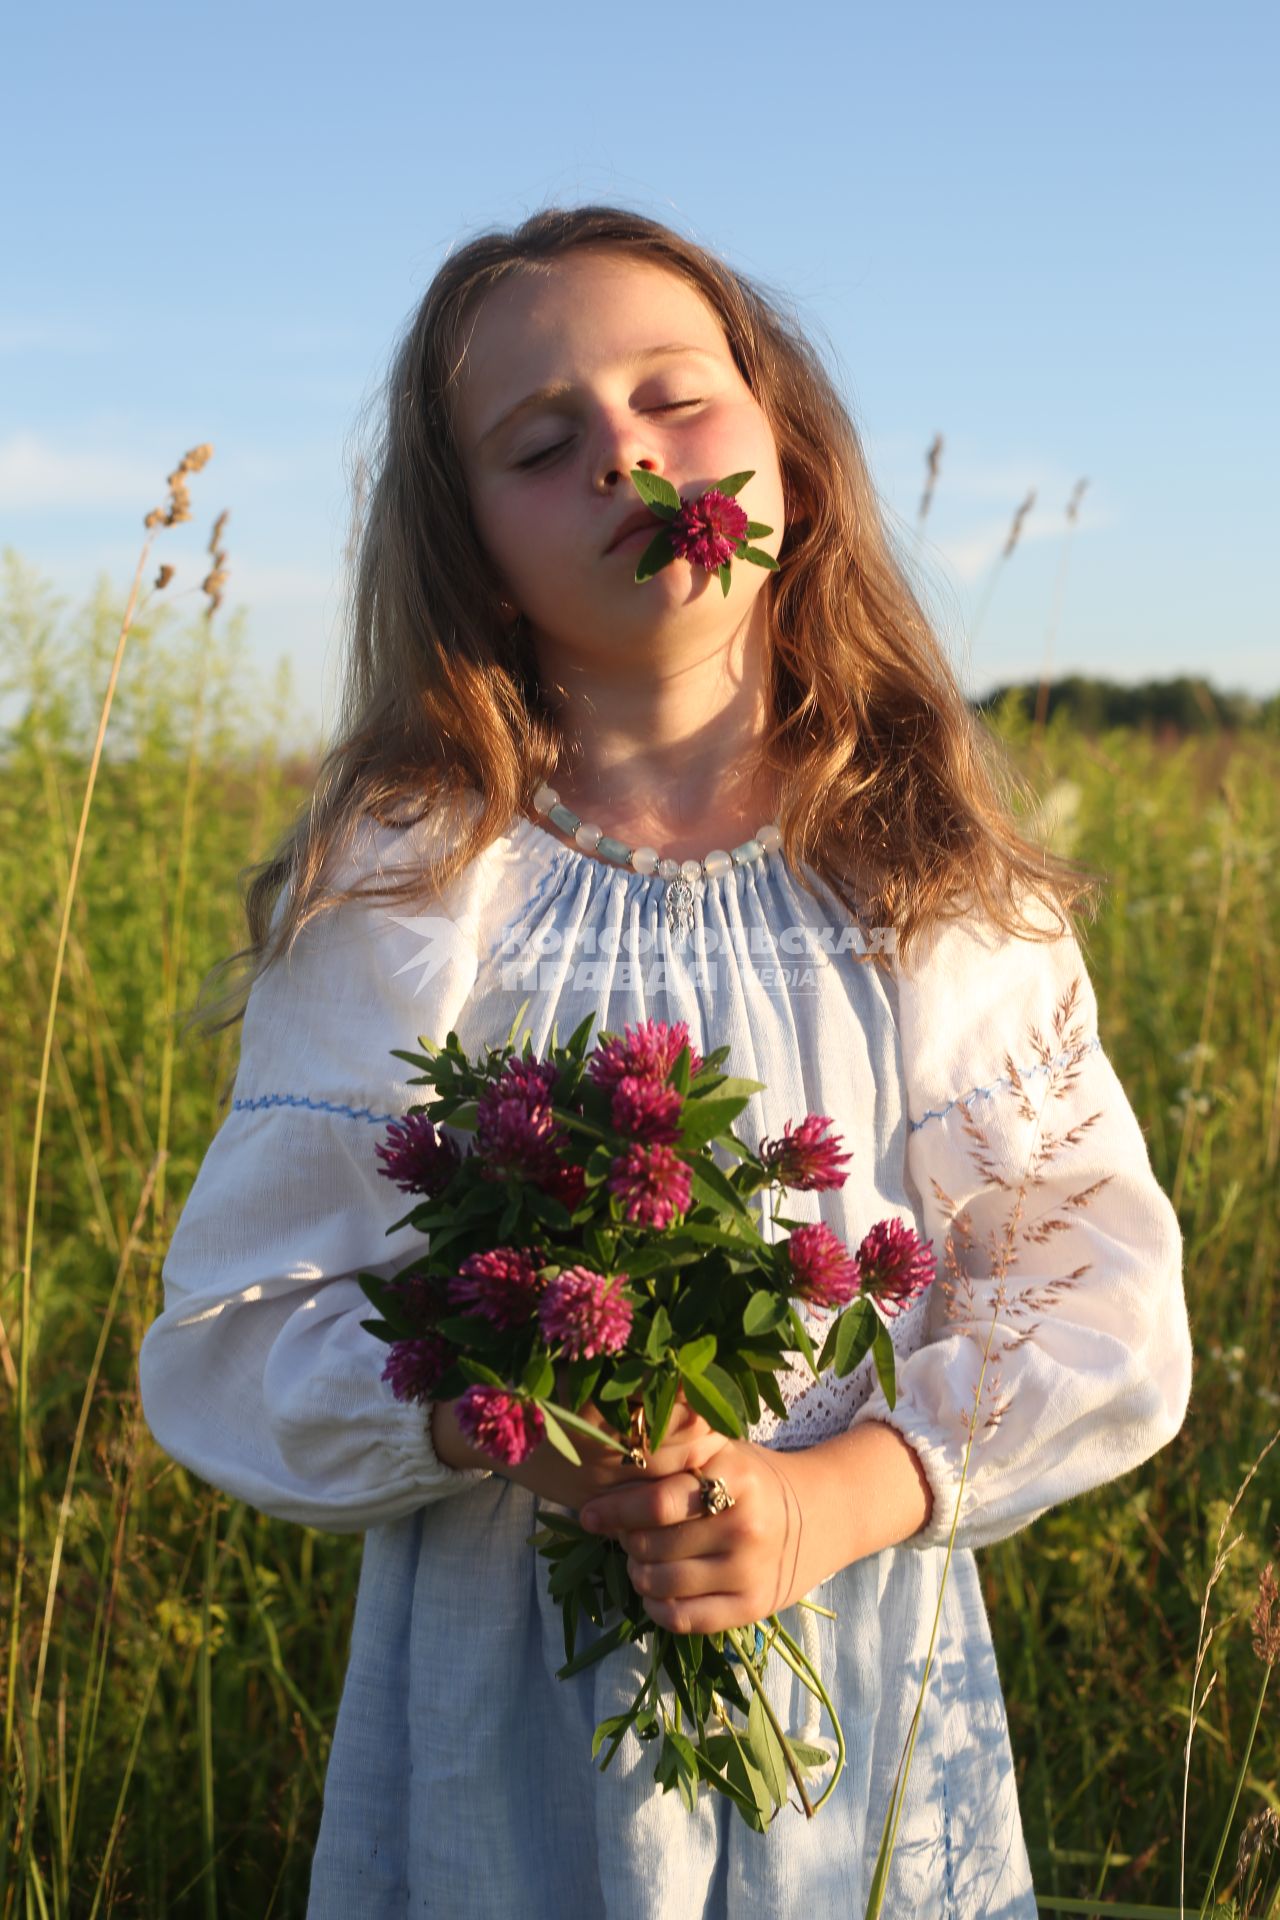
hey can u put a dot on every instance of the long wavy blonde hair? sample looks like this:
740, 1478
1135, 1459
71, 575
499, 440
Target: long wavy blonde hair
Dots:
891, 789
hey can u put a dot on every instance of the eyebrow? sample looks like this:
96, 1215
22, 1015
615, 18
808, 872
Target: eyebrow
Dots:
557, 389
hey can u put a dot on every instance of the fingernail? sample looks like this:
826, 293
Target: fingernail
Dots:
588, 1520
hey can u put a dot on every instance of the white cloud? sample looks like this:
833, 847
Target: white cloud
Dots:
972, 552
974, 501
35, 475
972, 478
277, 586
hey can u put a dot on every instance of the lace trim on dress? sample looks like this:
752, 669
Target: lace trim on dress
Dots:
817, 1409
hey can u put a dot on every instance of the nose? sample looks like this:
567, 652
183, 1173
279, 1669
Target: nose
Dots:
622, 445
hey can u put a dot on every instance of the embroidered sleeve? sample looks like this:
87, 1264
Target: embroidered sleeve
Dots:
1057, 1351
258, 1375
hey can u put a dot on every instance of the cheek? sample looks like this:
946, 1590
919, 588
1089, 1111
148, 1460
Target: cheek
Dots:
518, 535
748, 442
777, 514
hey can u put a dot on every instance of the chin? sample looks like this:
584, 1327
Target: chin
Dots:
684, 585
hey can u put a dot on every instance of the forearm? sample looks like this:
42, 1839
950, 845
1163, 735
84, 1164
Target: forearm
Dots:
859, 1492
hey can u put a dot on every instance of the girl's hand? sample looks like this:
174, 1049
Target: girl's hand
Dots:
687, 1442
700, 1572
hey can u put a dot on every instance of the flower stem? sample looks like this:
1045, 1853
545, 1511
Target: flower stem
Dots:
793, 1765
794, 1657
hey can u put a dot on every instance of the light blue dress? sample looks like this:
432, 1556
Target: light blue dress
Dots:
461, 1781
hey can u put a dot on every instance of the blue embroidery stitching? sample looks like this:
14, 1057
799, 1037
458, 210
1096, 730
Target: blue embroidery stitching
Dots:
317, 1106
1024, 1073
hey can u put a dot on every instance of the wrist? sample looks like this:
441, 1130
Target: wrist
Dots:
451, 1445
862, 1491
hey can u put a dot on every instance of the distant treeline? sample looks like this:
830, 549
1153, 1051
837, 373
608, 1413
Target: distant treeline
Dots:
1184, 705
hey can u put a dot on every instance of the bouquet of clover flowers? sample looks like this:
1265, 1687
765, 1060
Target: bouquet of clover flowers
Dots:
589, 1246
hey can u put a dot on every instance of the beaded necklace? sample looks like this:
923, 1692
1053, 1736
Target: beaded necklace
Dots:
680, 876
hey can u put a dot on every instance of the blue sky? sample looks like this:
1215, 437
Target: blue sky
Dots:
1047, 233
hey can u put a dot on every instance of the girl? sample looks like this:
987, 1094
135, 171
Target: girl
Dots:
872, 940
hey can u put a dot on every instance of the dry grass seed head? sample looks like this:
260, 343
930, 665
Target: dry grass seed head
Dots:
1266, 1617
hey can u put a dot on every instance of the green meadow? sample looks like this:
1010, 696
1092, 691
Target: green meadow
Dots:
171, 1661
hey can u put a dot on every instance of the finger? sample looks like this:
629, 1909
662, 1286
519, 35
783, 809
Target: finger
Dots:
658, 1503
683, 1427
677, 1579
708, 1613
704, 1537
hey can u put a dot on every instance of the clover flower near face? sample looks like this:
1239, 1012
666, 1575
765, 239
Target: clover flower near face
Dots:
804, 1159
896, 1266
711, 532
707, 530
586, 1312
415, 1368
418, 1158
648, 1110
502, 1285
823, 1271
652, 1183
499, 1424
644, 1052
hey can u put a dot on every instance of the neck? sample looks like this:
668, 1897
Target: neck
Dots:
665, 752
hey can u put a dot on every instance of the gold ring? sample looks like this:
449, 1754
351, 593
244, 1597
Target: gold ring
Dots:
635, 1454
716, 1497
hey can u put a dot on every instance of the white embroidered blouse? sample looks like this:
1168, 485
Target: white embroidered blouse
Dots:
978, 1103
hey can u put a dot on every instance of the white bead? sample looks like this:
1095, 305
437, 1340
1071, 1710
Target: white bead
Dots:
545, 798
769, 836
645, 859
668, 868
718, 861
692, 869
587, 836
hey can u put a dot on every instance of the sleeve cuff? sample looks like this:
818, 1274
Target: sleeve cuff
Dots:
412, 1439
936, 1454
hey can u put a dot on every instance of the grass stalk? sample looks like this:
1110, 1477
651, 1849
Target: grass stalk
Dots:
24, 1351
178, 509
1220, 1559
73, 1463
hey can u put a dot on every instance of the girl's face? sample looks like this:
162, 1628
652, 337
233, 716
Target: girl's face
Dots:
570, 379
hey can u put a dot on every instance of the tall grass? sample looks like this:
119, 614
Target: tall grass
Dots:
178, 1659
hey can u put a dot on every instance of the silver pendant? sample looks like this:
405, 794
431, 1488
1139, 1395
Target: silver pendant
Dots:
679, 902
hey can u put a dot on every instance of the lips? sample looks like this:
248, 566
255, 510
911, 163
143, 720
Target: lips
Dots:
632, 524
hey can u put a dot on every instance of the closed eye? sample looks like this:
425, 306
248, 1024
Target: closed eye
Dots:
536, 459
545, 453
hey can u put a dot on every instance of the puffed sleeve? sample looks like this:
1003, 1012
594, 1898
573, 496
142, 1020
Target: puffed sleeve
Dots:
1035, 1185
258, 1375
